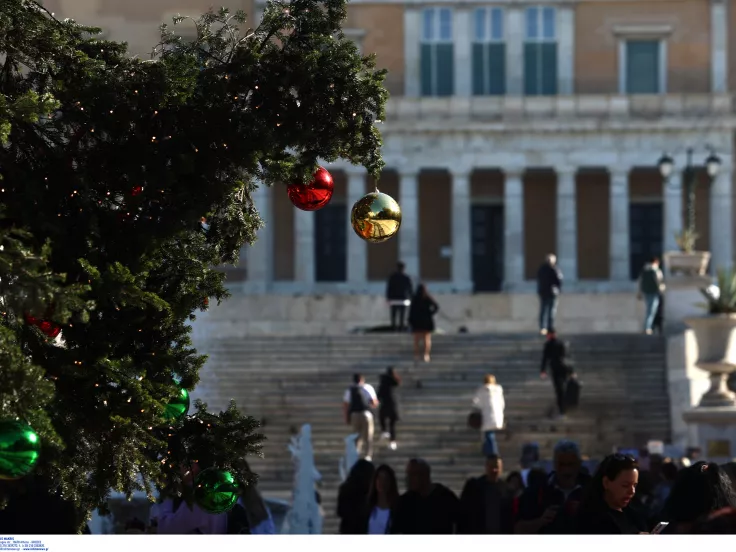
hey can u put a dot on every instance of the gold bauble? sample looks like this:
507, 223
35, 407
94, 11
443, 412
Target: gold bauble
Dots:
376, 217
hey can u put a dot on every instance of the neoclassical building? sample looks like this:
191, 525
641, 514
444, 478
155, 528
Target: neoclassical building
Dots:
516, 128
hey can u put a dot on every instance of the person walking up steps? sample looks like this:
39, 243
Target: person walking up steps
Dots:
358, 400
549, 285
388, 410
421, 320
651, 285
489, 400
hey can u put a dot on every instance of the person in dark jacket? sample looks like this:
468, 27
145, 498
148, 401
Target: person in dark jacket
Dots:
398, 295
382, 502
426, 508
651, 287
352, 497
486, 503
551, 508
388, 409
698, 491
555, 354
421, 320
549, 284
605, 509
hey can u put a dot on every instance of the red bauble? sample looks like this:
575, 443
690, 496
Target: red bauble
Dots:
48, 328
315, 195
137, 190
51, 330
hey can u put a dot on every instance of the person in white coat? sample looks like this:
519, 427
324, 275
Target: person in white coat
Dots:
489, 401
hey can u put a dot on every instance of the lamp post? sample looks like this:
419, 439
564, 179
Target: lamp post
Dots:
666, 166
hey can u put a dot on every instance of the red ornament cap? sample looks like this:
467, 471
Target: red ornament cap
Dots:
314, 195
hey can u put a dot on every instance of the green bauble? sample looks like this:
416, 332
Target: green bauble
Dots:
215, 491
177, 407
19, 449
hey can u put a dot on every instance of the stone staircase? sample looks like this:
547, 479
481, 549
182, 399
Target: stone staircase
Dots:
289, 381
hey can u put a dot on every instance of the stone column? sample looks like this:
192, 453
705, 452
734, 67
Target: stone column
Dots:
412, 51
619, 238
567, 224
672, 210
514, 50
259, 257
461, 255
513, 245
304, 268
409, 231
721, 219
461, 29
566, 50
357, 257
719, 46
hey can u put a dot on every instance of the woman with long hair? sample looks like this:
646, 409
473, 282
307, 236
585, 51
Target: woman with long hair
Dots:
698, 491
382, 500
352, 497
421, 320
388, 410
605, 509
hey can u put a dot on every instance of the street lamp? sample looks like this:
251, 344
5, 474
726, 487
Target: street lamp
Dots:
687, 238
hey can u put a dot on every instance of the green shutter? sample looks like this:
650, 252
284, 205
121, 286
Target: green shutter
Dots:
497, 69
549, 68
479, 88
426, 69
531, 74
445, 67
642, 67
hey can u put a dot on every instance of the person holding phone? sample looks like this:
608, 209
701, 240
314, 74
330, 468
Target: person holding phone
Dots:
605, 507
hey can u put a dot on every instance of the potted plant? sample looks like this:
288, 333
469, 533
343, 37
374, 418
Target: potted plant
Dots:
715, 334
688, 261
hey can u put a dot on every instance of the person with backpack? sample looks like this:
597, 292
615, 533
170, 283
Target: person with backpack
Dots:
651, 285
358, 400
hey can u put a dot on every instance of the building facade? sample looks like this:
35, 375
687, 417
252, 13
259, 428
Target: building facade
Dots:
515, 128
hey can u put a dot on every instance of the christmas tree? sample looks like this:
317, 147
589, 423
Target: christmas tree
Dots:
124, 183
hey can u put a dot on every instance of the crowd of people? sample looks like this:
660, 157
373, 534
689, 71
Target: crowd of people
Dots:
621, 497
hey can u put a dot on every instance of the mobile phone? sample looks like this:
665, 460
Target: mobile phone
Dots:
660, 527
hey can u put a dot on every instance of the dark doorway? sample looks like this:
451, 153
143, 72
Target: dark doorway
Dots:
487, 245
330, 246
645, 234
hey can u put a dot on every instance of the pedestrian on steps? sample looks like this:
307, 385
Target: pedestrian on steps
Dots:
421, 320
555, 354
398, 295
549, 284
388, 410
489, 400
651, 286
358, 400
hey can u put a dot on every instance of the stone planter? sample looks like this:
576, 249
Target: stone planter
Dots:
716, 338
679, 263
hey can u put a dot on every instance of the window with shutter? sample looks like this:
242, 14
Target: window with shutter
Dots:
540, 52
489, 53
437, 68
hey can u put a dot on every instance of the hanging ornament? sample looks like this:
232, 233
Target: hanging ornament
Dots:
19, 449
215, 491
204, 225
136, 191
177, 407
48, 328
314, 195
376, 217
